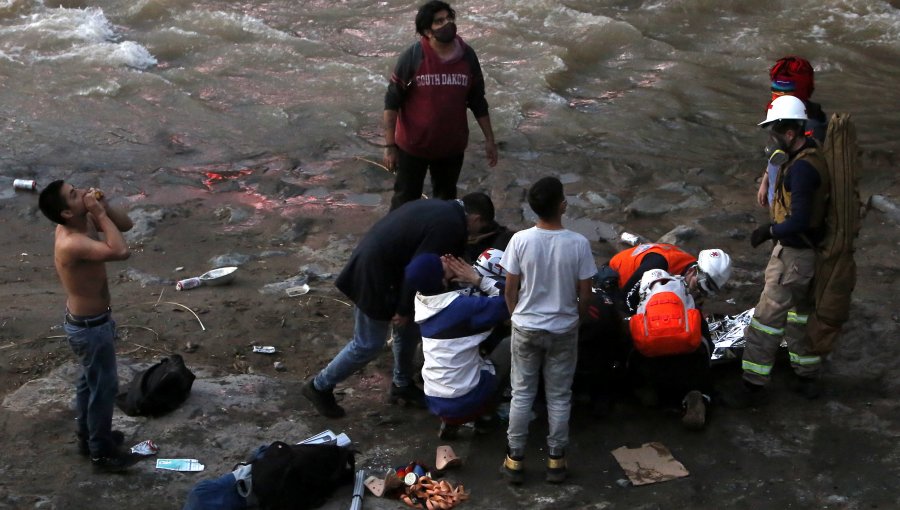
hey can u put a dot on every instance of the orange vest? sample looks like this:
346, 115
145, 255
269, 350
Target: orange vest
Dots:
627, 261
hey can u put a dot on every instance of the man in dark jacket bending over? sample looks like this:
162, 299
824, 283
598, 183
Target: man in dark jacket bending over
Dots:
373, 280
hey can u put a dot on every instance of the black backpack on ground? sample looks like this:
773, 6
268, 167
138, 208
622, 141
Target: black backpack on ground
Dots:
159, 389
300, 477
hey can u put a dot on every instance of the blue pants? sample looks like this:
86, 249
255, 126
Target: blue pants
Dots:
98, 384
369, 336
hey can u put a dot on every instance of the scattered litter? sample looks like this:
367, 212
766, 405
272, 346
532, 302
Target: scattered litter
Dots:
328, 437
25, 184
279, 366
297, 291
190, 347
179, 268
429, 493
191, 465
446, 458
219, 276
356, 504
188, 283
651, 463
264, 349
728, 335
146, 448
731, 301
623, 482
630, 239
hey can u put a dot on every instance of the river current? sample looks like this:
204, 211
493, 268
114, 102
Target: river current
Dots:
649, 84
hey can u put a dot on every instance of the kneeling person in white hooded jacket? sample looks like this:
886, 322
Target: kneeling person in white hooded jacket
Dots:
460, 385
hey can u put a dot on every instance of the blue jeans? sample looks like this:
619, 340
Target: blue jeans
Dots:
369, 336
557, 354
98, 384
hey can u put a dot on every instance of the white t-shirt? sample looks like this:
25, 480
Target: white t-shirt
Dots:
550, 263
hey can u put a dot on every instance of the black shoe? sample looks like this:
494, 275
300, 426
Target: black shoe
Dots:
807, 386
513, 470
556, 469
694, 417
410, 395
744, 395
116, 462
118, 439
322, 400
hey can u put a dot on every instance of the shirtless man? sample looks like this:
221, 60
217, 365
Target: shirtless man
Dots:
80, 255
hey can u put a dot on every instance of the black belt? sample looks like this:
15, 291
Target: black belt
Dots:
88, 322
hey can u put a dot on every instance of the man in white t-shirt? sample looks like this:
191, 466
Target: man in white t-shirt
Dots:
548, 286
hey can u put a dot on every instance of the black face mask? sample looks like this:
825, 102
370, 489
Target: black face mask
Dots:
777, 150
446, 33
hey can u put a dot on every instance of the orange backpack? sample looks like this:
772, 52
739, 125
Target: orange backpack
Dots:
665, 325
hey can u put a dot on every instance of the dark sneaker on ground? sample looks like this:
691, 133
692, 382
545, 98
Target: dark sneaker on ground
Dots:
410, 395
694, 417
513, 470
448, 431
556, 469
807, 386
744, 395
116, 462
117, 436
323, 401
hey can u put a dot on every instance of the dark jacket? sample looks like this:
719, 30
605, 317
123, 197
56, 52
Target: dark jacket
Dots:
373, 277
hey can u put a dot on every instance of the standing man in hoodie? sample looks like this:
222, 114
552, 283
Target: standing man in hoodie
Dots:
425, 125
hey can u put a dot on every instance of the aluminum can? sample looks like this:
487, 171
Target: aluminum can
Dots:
25, 184
630, 239
188, 283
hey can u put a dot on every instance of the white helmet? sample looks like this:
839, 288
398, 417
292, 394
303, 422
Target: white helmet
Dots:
785, 108
714, 269
488, 264
650, 277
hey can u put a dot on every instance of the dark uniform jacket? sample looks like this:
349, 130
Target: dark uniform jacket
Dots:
373, 277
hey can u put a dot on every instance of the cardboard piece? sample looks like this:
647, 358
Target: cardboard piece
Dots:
651, 463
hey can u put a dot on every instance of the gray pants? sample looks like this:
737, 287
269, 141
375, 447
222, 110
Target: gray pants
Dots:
558, 354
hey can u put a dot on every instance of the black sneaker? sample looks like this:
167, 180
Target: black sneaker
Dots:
322, 400
556, 469
513, 470
118, 439
410, 395
694, 417
809, 387
116, 462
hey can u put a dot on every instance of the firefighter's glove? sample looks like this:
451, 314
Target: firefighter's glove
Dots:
762, 234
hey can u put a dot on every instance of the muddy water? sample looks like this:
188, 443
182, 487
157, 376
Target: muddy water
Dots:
157, 93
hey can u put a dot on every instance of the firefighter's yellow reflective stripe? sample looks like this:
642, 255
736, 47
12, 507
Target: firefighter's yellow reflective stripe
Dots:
804, 360
756, 368
796, 318
755, 324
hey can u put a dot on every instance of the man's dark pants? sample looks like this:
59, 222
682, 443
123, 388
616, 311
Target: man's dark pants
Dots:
411, 172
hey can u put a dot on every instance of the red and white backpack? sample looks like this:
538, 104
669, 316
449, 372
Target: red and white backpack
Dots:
667, 322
